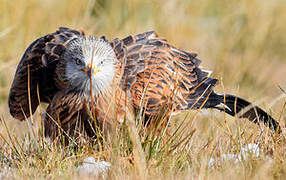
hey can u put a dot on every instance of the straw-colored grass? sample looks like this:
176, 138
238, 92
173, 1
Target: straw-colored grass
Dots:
243, 42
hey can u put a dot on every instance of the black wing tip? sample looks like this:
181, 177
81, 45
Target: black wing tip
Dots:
70, 30
211, 81
64, 28
254, 113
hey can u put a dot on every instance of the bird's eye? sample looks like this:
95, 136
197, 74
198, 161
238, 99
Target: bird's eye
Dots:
101, 62
78, 61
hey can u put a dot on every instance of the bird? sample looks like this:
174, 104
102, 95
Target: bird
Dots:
81, 77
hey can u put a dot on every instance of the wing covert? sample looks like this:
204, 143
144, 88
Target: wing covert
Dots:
150, 61
36, 69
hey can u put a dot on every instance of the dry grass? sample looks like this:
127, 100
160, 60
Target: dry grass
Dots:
244, 42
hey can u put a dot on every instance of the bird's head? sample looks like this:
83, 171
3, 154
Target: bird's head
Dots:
89, 60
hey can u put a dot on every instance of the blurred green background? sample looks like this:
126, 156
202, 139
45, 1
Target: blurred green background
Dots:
243, 42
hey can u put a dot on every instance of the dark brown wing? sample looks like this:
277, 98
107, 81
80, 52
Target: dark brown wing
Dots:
36, 69
166, 72
129, 48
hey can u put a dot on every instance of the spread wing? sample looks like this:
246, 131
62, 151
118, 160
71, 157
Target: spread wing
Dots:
157, 72
35, 73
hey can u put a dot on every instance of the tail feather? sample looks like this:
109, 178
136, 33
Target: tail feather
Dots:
236, 106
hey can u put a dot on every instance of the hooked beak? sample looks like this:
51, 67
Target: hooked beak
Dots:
90, 69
